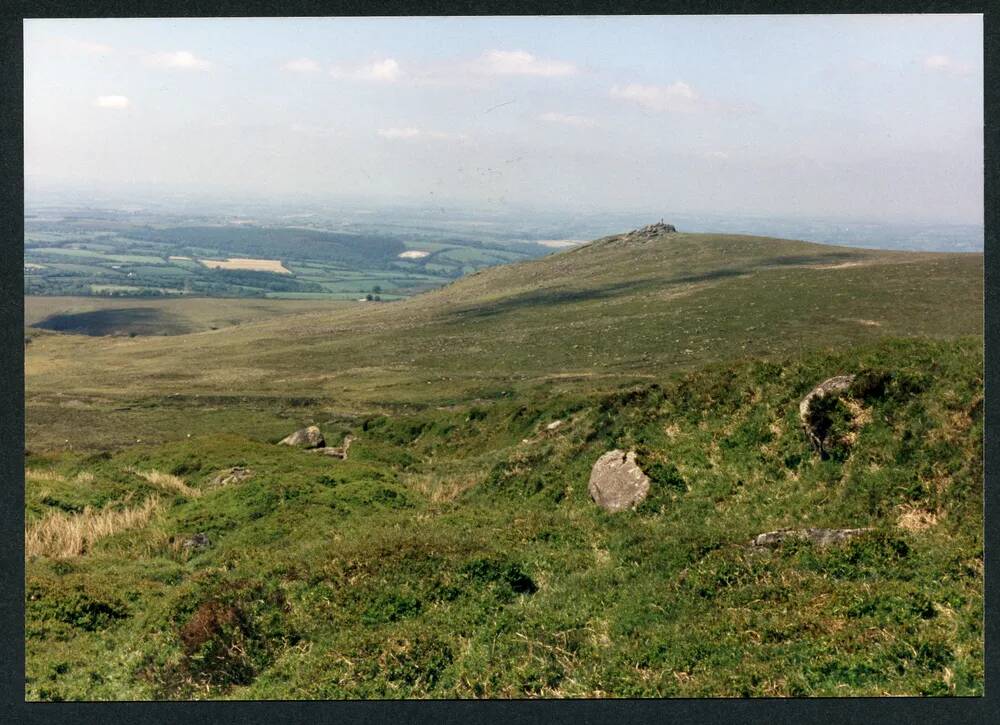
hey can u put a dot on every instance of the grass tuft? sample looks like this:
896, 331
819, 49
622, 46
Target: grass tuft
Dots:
167, 481
60, 536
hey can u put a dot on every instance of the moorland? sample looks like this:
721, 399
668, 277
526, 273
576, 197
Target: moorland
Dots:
173, 550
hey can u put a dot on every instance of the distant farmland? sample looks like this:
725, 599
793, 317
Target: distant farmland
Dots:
255, 265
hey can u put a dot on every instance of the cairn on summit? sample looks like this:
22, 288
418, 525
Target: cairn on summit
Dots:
652, 230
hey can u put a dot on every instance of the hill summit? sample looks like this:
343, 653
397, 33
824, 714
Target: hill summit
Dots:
653, 230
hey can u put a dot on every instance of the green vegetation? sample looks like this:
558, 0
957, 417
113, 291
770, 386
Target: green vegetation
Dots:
456, 552
115, 255
450, 558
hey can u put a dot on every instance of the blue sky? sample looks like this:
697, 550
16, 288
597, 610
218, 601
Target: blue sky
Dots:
842, 116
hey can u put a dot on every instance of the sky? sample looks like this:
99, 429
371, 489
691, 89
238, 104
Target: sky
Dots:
874, 117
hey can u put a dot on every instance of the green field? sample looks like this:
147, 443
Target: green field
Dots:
133, 258
456, 553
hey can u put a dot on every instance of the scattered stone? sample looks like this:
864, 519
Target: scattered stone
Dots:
652, 230
337, 451
617, 483
237, 474
820, 537
835, 386
306, 438
196, 542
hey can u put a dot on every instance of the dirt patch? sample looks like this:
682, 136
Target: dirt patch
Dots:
839, 265
916, 519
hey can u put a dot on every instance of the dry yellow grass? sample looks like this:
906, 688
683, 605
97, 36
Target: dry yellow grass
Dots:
61, 535
34, 474
168, 482
913, 518
439, 488
257, 265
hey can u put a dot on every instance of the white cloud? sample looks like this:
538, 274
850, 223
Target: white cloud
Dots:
519, 62
568, 119
678, 96
716, 155
386, 70
946, 64
182, 59
301, 65
399, 132
111, 102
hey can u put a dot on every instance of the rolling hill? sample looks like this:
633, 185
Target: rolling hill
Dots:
618, 309
456, 553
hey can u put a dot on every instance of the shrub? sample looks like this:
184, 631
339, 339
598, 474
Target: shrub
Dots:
509, 576
75, 607
232, 636
390, 608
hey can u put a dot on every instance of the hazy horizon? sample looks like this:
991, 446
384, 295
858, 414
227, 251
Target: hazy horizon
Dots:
841, 117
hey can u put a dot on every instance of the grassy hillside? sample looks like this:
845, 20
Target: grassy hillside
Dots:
457, 554
611, 312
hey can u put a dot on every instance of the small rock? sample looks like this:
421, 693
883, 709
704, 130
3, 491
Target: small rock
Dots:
553, 425
198, 541
237, 474
617, 483
305, 438
820, 537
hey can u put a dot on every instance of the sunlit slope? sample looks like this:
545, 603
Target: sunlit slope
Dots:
618, 308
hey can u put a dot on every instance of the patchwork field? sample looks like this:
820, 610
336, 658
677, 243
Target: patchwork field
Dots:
102, 254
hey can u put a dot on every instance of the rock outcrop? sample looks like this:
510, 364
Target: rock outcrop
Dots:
617, 483
652, 230
819, 537
305, 438
815, 427
337, 451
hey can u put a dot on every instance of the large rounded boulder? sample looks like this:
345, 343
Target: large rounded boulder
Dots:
310, 437
617, 483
